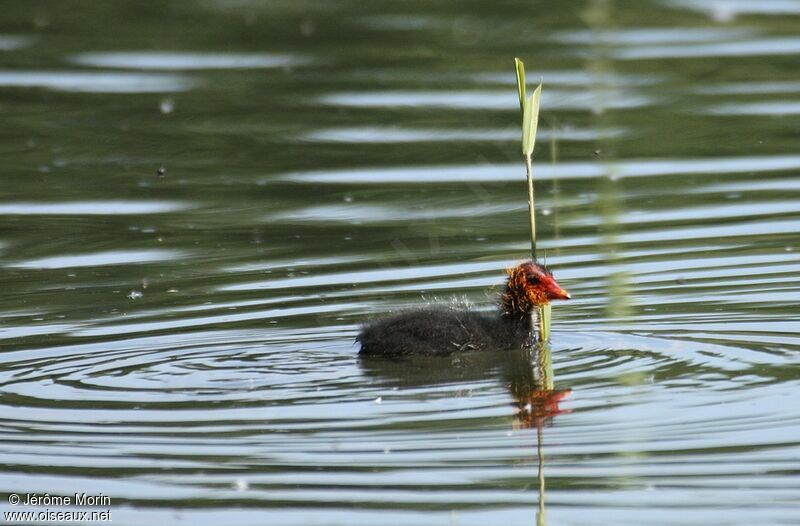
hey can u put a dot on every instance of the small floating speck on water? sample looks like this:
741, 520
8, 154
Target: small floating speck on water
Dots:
166, 106
379, 400
241, 485
308, 27
161, 172
135, 295
721, 13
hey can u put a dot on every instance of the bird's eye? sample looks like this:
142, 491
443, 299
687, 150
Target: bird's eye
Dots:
533, 280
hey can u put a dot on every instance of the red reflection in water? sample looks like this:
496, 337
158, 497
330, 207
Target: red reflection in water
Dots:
538, 408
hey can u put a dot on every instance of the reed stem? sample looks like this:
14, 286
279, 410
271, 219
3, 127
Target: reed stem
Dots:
531, 205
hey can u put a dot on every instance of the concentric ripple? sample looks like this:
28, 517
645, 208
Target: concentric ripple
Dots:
334, 431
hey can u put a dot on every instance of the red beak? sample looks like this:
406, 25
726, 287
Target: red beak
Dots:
555, 292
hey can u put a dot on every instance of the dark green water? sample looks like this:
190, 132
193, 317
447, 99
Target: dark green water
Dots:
184, 343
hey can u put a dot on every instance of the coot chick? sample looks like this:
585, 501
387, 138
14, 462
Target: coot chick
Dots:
443, 330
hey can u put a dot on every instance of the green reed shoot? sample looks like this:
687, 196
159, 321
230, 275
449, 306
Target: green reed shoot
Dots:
529, 105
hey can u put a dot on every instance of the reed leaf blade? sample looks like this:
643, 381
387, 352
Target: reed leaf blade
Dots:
530, 121
520, 66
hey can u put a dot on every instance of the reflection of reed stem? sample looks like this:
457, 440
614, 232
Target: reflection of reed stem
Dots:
541, 519
545, 381
543, 376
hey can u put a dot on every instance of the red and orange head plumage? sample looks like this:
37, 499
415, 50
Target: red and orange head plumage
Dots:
529, 285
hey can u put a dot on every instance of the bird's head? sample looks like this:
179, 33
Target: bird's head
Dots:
529, 285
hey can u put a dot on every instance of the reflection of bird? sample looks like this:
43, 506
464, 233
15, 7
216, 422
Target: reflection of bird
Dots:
538, 408
443, 330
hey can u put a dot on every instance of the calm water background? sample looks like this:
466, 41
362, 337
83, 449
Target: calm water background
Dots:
184, 343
